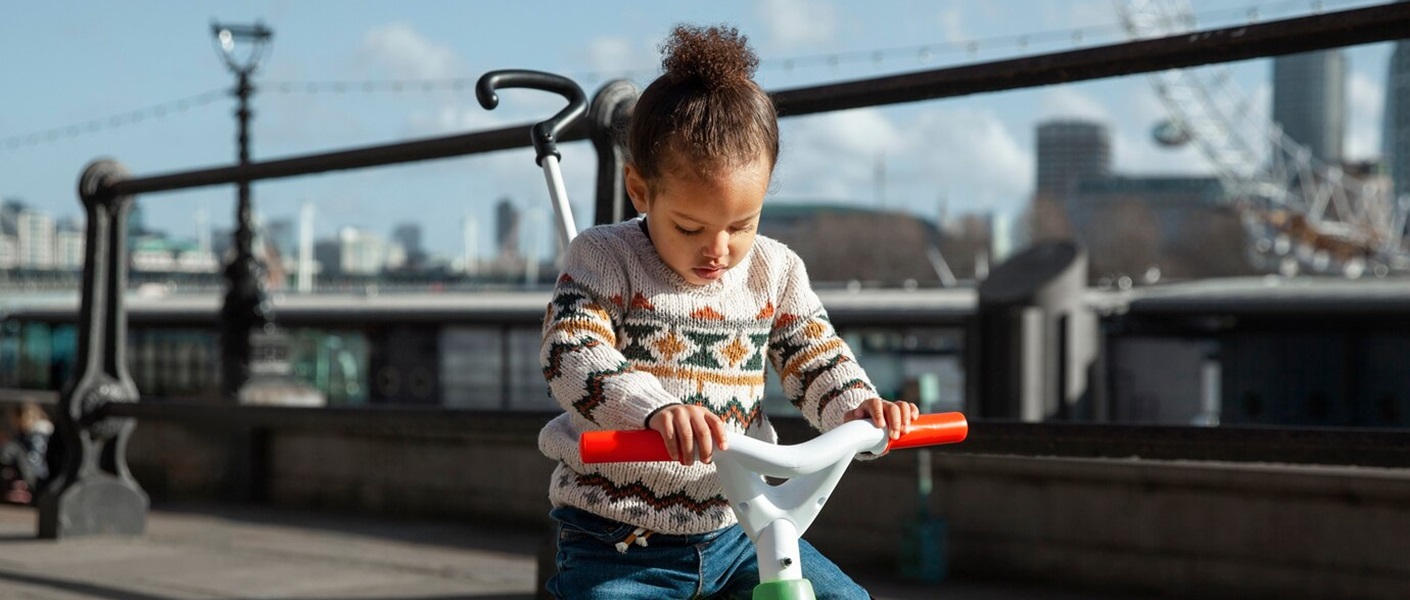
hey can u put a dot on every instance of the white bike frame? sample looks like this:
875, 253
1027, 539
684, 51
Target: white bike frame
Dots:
776, 516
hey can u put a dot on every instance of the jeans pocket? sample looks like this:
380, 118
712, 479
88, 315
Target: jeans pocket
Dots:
577, 525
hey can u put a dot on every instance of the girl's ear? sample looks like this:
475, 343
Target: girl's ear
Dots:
637, 188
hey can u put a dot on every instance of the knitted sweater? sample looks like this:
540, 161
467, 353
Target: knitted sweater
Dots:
625, 335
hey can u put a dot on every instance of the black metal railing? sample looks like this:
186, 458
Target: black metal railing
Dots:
94, 492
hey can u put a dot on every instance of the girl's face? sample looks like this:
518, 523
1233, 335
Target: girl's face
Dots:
702, 226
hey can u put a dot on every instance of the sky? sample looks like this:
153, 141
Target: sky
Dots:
141, 82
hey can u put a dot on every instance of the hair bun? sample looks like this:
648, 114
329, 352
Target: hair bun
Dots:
715, 56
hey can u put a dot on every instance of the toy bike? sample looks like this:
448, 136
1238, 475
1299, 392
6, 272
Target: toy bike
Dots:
775, 517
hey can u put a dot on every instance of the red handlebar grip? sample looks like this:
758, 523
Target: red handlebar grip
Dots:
634, 445
933, 430
645, 445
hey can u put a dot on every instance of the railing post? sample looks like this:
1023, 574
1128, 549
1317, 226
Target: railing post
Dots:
93, 492
607, 115
1030, 349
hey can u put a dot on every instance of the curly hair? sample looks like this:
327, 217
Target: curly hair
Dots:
704, 112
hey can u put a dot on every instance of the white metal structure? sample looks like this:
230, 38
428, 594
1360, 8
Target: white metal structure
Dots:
1301, 214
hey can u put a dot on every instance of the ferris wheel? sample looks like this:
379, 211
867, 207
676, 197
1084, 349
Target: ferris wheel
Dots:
1301, 214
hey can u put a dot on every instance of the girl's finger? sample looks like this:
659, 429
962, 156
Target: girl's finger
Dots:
668, 435
686, 440
717, 426
704, 437
894, 422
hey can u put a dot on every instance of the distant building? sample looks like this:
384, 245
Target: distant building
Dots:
846, 243
363, 252
1181, 226
1140, 227
357, 252
283, 236
222, 243
1070, 151
9, 252
136, 221
1396, 138
9, 235
160, 254
34, 239
408, 236
506, 229
191, 258
69, 241
1309, 101
394, 257
328, 254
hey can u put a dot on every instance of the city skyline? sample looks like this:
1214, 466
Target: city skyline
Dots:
969, 154
32, 239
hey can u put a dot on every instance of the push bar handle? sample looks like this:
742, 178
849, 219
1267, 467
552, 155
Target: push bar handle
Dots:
646, 445
544, 134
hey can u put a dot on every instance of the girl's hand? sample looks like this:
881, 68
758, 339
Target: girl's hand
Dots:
685, 429
894, 417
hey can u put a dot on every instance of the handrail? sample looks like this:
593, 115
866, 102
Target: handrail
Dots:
1381, 23
479, 142
1317, 32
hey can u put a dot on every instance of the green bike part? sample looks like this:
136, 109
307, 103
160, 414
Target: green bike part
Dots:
787, 589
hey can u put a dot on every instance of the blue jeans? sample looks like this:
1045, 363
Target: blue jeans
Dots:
718, 564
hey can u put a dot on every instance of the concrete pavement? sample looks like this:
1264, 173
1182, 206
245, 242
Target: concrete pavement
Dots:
220, 551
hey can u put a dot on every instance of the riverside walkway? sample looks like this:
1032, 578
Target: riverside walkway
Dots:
223, 551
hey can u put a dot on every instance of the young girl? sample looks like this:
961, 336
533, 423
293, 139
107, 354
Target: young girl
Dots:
665, 322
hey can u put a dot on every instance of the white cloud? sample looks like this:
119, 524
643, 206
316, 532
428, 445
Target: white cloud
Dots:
410, 55
951, 25
450, 118
1089, 13
860, 131
612, 54
613, 57
1244, 117
1134, 150
609, 54
833, 155
798, 22
971, 154
1067, 103
1365, 100
965, 154
1252, 122
1148, 106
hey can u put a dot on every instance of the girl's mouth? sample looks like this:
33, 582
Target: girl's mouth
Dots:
709, 273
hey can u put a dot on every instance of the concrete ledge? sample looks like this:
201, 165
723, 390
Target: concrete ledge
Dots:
1205, 528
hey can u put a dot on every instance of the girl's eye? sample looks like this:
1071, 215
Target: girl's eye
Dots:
687, 231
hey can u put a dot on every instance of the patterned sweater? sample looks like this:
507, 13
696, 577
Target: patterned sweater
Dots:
625, 335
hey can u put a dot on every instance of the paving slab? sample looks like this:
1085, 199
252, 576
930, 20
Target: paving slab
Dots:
204, 552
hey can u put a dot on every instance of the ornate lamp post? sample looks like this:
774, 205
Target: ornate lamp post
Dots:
246, 305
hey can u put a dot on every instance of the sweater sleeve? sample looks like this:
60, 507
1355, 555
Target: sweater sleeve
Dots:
586, 372
819, 373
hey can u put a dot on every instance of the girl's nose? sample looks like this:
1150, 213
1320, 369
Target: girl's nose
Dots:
718, 245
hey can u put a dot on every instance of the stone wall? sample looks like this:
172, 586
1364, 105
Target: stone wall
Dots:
1202, 529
